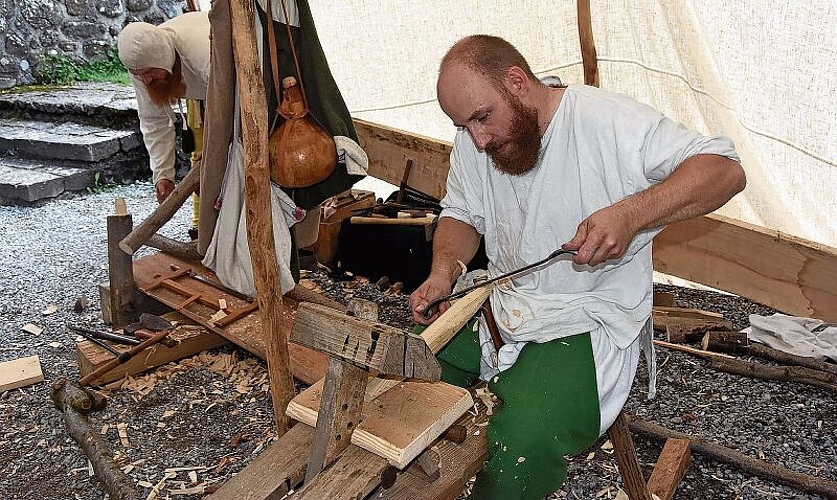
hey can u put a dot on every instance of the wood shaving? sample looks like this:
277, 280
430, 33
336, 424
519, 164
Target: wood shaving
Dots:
122, 429
32, 328
50, 309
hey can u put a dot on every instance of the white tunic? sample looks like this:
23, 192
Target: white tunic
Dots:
599, 148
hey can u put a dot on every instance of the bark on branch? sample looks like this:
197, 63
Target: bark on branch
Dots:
756, 467
823, 380
75, 403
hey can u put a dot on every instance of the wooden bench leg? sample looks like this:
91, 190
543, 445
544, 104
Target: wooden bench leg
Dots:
623, 446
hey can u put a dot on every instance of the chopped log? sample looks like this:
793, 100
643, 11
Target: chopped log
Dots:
756, 467
163, 213
692, 330
120, 272
664, 316
823, 380
179, 249
254, 134
623, 447
670, 469
664, 299
763, 351
726, 341
75, 402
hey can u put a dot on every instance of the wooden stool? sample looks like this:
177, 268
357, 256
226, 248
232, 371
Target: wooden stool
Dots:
667, 474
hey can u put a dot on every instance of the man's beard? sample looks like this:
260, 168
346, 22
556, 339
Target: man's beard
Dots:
523, 146
163, 92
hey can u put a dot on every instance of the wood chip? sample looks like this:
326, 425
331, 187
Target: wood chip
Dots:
51, 309
218, 316
32, 328
194, 490
222, 304
55, 345
122, 428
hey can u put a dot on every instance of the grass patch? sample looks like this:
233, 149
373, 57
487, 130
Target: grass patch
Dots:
61, 69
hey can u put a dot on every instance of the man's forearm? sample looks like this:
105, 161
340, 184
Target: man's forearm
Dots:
453, 240
701, 184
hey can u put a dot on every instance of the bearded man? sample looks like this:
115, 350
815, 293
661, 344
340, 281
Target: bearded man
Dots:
168, 63
535, 168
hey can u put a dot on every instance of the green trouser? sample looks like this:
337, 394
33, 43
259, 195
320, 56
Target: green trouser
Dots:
550, 409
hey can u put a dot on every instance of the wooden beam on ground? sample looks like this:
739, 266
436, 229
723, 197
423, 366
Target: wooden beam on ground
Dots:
790, 274
254, 136
120, 270
20, 373
356, 474
274, 472
588, 45
163, 213
191, 339
670, 469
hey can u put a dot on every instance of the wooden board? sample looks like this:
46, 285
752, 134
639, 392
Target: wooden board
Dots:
399, 424
670, 468
790, 274
306, 365
274, 472
20, 373
354, 475
193, 339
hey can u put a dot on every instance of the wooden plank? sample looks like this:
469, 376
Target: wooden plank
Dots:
670, 468
353, 476
20, 373
389, 149
790, 274
365, 343
458, 464
400, 423
274, 472
193, 339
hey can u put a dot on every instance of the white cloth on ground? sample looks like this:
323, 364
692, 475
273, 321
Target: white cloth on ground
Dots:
807, 337
599, 148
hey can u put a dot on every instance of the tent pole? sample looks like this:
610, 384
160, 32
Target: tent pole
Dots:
257, 199
588, 45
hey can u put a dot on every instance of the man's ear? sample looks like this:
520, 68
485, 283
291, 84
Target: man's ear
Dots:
517, 82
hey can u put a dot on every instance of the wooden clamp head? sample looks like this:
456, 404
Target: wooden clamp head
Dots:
363, 343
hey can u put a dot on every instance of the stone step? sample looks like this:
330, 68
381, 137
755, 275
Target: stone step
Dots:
101, 102
27, 181
64, 141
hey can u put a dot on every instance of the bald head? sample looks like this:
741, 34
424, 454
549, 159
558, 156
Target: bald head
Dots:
486, 55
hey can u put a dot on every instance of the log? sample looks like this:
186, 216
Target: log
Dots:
179, 249
254, 136
823, 380
163, 213
726, 341
720, 453
75, 403
692, 330
765, 352
120, 272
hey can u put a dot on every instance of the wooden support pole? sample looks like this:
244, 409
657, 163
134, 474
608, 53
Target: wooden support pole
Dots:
120, 268
163, 213
754, 466
254, 123
623, 447
588, 45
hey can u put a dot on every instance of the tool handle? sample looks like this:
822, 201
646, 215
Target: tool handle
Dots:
122, 358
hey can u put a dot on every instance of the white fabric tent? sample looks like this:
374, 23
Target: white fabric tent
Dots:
763, 72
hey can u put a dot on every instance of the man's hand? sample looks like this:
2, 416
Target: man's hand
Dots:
433, 288
604, 235
163, 188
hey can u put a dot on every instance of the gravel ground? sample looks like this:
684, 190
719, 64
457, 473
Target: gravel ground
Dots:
208, 416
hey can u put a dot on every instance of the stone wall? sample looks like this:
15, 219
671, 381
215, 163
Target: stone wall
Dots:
81, 29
